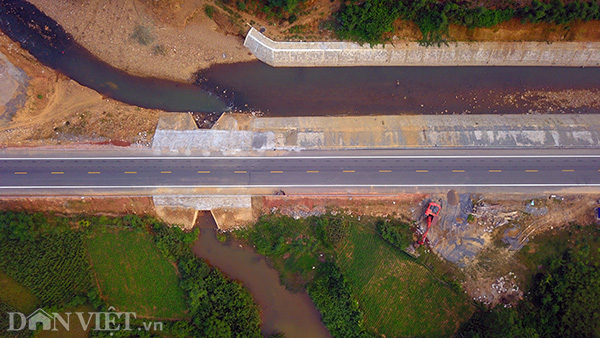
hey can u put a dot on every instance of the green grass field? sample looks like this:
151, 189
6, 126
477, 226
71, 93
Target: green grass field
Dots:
398, 296
134, 276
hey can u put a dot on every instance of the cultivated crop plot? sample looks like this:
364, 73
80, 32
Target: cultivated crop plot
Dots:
398, 296
149, 286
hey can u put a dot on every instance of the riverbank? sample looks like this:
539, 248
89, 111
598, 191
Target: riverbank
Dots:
169, 41
57, 111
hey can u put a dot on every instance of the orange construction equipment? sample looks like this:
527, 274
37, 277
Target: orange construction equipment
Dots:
432, 211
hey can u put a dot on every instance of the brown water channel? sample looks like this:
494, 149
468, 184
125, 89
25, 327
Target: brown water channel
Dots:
293, 314
304, 91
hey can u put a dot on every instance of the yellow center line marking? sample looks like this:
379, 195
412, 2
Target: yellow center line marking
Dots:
389, 171
312, 171
422, 171
276, 171
93, 172
20, 173
57, 172
349, 171
568, 170
204, 172
531, 171
495, 171
458, 171
165, 172
240, 171
131, 172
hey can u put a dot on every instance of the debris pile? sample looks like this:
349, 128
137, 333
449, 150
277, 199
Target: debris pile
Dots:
492, 216
503, 290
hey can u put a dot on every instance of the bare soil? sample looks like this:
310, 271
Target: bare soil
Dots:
59, 111
303, 206
166, 39
112, 206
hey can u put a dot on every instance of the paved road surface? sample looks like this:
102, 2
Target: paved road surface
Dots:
461, 169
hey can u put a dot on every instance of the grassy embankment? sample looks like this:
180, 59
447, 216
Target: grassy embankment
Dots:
134, 276
398, 296
45, 262
362, 284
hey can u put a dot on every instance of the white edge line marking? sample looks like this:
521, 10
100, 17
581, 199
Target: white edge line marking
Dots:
307, 186
286, 157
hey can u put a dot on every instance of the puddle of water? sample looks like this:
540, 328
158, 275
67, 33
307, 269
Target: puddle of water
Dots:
293, 314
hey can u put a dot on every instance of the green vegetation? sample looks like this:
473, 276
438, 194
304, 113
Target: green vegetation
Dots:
558, 302
133, 275
340, 260
209, 11
398, 296
48, 255
219, 308
333, 298
397, 233
369, 21
44, 255
291, 245
280, 9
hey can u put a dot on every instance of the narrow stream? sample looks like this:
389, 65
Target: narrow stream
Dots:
293, 314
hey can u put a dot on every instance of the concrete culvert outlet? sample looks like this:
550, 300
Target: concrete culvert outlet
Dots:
452, 197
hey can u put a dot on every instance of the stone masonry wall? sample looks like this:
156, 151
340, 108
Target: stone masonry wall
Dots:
338, 54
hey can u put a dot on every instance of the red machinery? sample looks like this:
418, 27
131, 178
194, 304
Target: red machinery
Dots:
432, 211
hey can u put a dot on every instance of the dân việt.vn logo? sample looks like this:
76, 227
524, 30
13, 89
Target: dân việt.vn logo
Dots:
98, 321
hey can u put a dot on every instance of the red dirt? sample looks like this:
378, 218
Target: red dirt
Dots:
80, 205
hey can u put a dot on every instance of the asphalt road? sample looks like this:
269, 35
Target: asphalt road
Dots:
461, 169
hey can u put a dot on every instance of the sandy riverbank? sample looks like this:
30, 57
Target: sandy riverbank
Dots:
170, 40
58, 111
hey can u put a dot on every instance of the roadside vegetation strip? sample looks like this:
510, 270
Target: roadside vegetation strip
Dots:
398, 296
133, 275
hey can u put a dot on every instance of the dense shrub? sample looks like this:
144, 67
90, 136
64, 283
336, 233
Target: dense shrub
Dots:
331, 294
219, 307
367, 22
397, 233
370, 20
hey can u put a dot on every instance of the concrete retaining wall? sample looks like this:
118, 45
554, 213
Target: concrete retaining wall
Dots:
336, 54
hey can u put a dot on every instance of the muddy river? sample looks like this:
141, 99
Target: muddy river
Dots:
293, 314
305, 91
